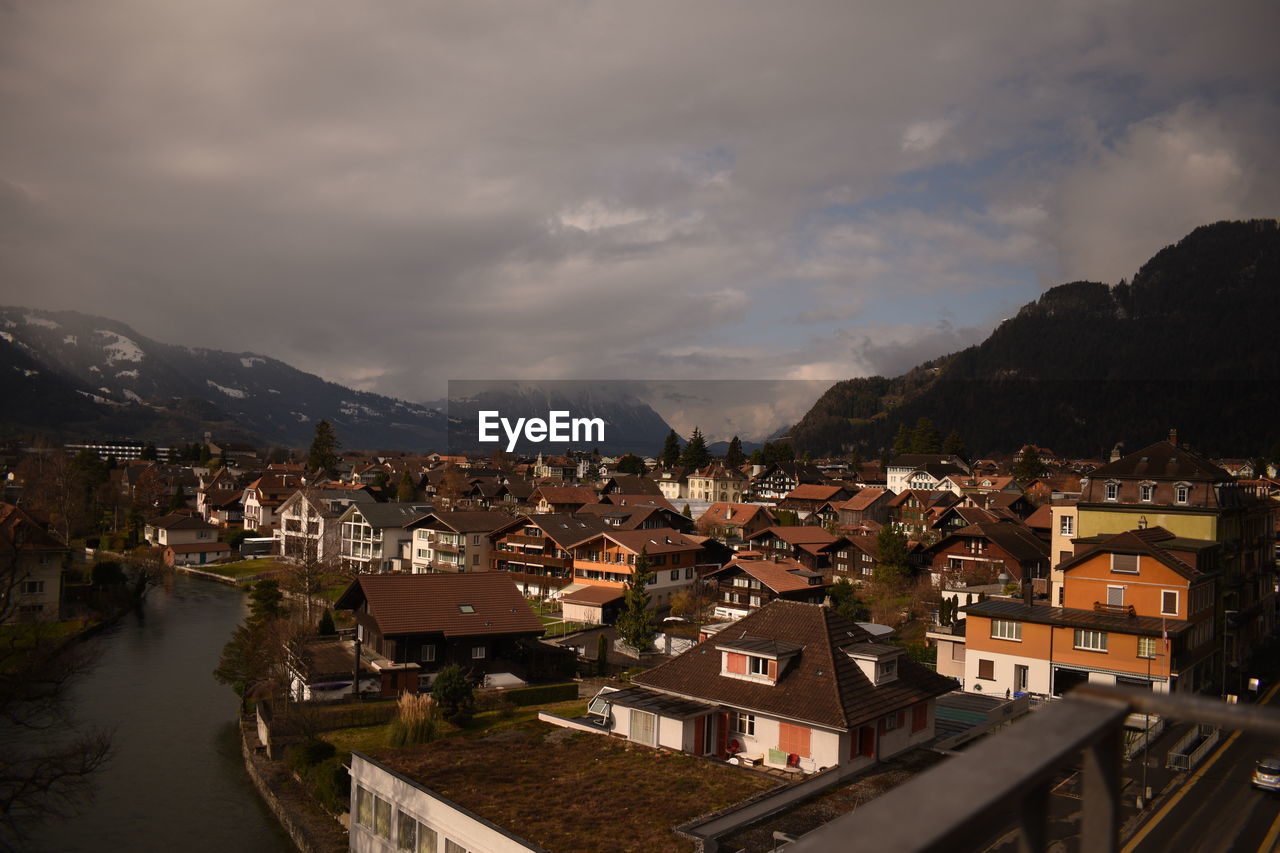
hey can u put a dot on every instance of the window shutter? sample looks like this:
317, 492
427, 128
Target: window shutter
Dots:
737, 663
773, 670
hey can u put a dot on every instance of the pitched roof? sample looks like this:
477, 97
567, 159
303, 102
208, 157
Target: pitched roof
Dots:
567, 494
463, 521
19, 527
180, 521
723, 512
1041, 519
391, 514
634, 500
1146, 542
661, 540
1162, 461
632, 484
813, 492
562, 528
628, 517
864, 499
1014, 537
456, 605
821, 684
781, 575
803, 534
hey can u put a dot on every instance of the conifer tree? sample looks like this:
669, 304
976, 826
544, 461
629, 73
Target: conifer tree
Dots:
670, 456
695, 454
635, 623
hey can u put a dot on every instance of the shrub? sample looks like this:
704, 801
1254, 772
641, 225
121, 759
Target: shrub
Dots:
326, 627
453, 691
417, 721
107, 573
330, 784
301, 756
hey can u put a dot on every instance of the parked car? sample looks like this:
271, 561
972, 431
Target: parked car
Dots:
1267, 774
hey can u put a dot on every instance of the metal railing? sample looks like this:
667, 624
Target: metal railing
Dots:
1192, 748
971, 792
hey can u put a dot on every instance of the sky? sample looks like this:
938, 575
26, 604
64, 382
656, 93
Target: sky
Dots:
395, 194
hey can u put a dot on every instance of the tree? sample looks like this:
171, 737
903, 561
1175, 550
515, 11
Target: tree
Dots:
323, 455
696, 602
405, 491
733, 457
687, 512
925, 438
902, 441
695, 454
845, 601
775, 452
266, 601
1028, 466
46, 760
631, 464
635, 623
954, 445
670, 456
453, 691
891, 550
252, 661
602, 654
149, 452
326, 628
453, 484
855, 462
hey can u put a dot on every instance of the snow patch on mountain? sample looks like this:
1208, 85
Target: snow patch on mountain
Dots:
120, 349
130, 394
352, 410
69, 339
33, 320
132, 374
230, 392
8, 337
301, 417
252, 360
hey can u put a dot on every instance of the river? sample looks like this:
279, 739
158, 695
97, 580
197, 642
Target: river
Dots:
176, 779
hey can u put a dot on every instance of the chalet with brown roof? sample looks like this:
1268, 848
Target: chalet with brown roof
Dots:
870, 504
630, 484
537, 550
915, 511
608, 559
791, 685
988, 549
771, 483
636, 516
264, 496
673, 483
179, 528
422, 623
745, 585
812, 546
733, 523
806, 499
922, 471
549, 499
30, 568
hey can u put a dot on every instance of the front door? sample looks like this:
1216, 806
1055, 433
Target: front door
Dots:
1019, 678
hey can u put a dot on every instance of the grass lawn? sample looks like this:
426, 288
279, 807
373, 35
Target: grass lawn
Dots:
370, 738
556, 628
244, 568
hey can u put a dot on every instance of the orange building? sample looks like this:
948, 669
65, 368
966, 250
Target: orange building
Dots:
1138, 610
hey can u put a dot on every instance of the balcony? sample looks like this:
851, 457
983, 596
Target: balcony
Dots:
446, 548
522, 539
533, 559
1125, 611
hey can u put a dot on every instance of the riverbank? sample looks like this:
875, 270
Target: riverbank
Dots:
312, 829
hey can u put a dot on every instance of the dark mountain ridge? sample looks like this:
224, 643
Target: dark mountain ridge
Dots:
1187, 344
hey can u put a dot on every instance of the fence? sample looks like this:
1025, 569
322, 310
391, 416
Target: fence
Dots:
1192, 747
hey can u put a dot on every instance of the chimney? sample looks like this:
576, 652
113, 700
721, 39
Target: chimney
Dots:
1027, 592
1173, 437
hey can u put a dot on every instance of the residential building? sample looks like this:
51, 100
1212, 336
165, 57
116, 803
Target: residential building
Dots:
550, 499
179, 529
987, 550
733, 523
789, 685
537, 550
607, 561
262, 500
716, 483
923, 471
812, 546
373, 535
422, 623
672, 482
806, 499
1138, 610
771, 483
30, 568
453, 541
869, 504
746, 584
309, 528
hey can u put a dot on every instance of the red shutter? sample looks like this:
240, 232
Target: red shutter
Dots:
773, 670
737, 663
794, 739
919, 717
699, 731
867, 741
722, 735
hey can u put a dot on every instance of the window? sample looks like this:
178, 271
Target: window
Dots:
1146, 492
743, 724
889, 723
643, 727
886, 669
364, 806
757, 666
32, 587
1092, 641
475, 540
466, 608
1113, 491
675, 574
1124, 563
987, 670
428, 654
755, 601
1181, 493
451, 846
1115, 596
1005, 629
1146, 647
381, 817
1169, 602
406, 832
1067, 525
477, 652
688, 573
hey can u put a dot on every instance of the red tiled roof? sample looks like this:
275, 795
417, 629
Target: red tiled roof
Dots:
864, 499
778, 575
434, 603
812, 492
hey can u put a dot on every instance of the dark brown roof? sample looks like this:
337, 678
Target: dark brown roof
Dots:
864, 499
434, 604
593, 595
1014, 537
783, 575
20, 527
1147, 626
463, 521
659, 540
567, 494
199, 547
1162, 461
797, 535
1149, 542
821, 684
639, 501
181, 521
562, 528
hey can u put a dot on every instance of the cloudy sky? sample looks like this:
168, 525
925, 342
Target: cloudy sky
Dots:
393, 194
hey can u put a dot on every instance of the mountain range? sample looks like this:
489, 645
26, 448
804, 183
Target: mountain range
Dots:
1189, 343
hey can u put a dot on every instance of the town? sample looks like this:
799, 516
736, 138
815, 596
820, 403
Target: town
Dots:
692, 651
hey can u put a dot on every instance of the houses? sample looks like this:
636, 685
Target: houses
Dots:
196, 554
537, 550
1138, 610
747, 584
790, 685
546, 499
771, 483
812, 547
422, 623
179, 529
988, 549
309, 528
733, 523
923, 471
806, 499
716, 483
673, 483
372, 536
868, 505
263, 498
607, 560
30, 568
453, 541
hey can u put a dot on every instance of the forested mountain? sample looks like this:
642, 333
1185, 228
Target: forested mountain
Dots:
1190, 343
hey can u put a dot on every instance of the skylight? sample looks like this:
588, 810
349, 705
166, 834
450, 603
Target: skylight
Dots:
466, 608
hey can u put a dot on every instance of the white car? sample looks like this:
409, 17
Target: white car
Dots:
1266, 775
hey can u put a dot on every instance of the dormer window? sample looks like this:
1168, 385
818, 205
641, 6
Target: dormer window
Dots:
1181, 493
1147, 492
886, 670
758, 666
1113, 491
